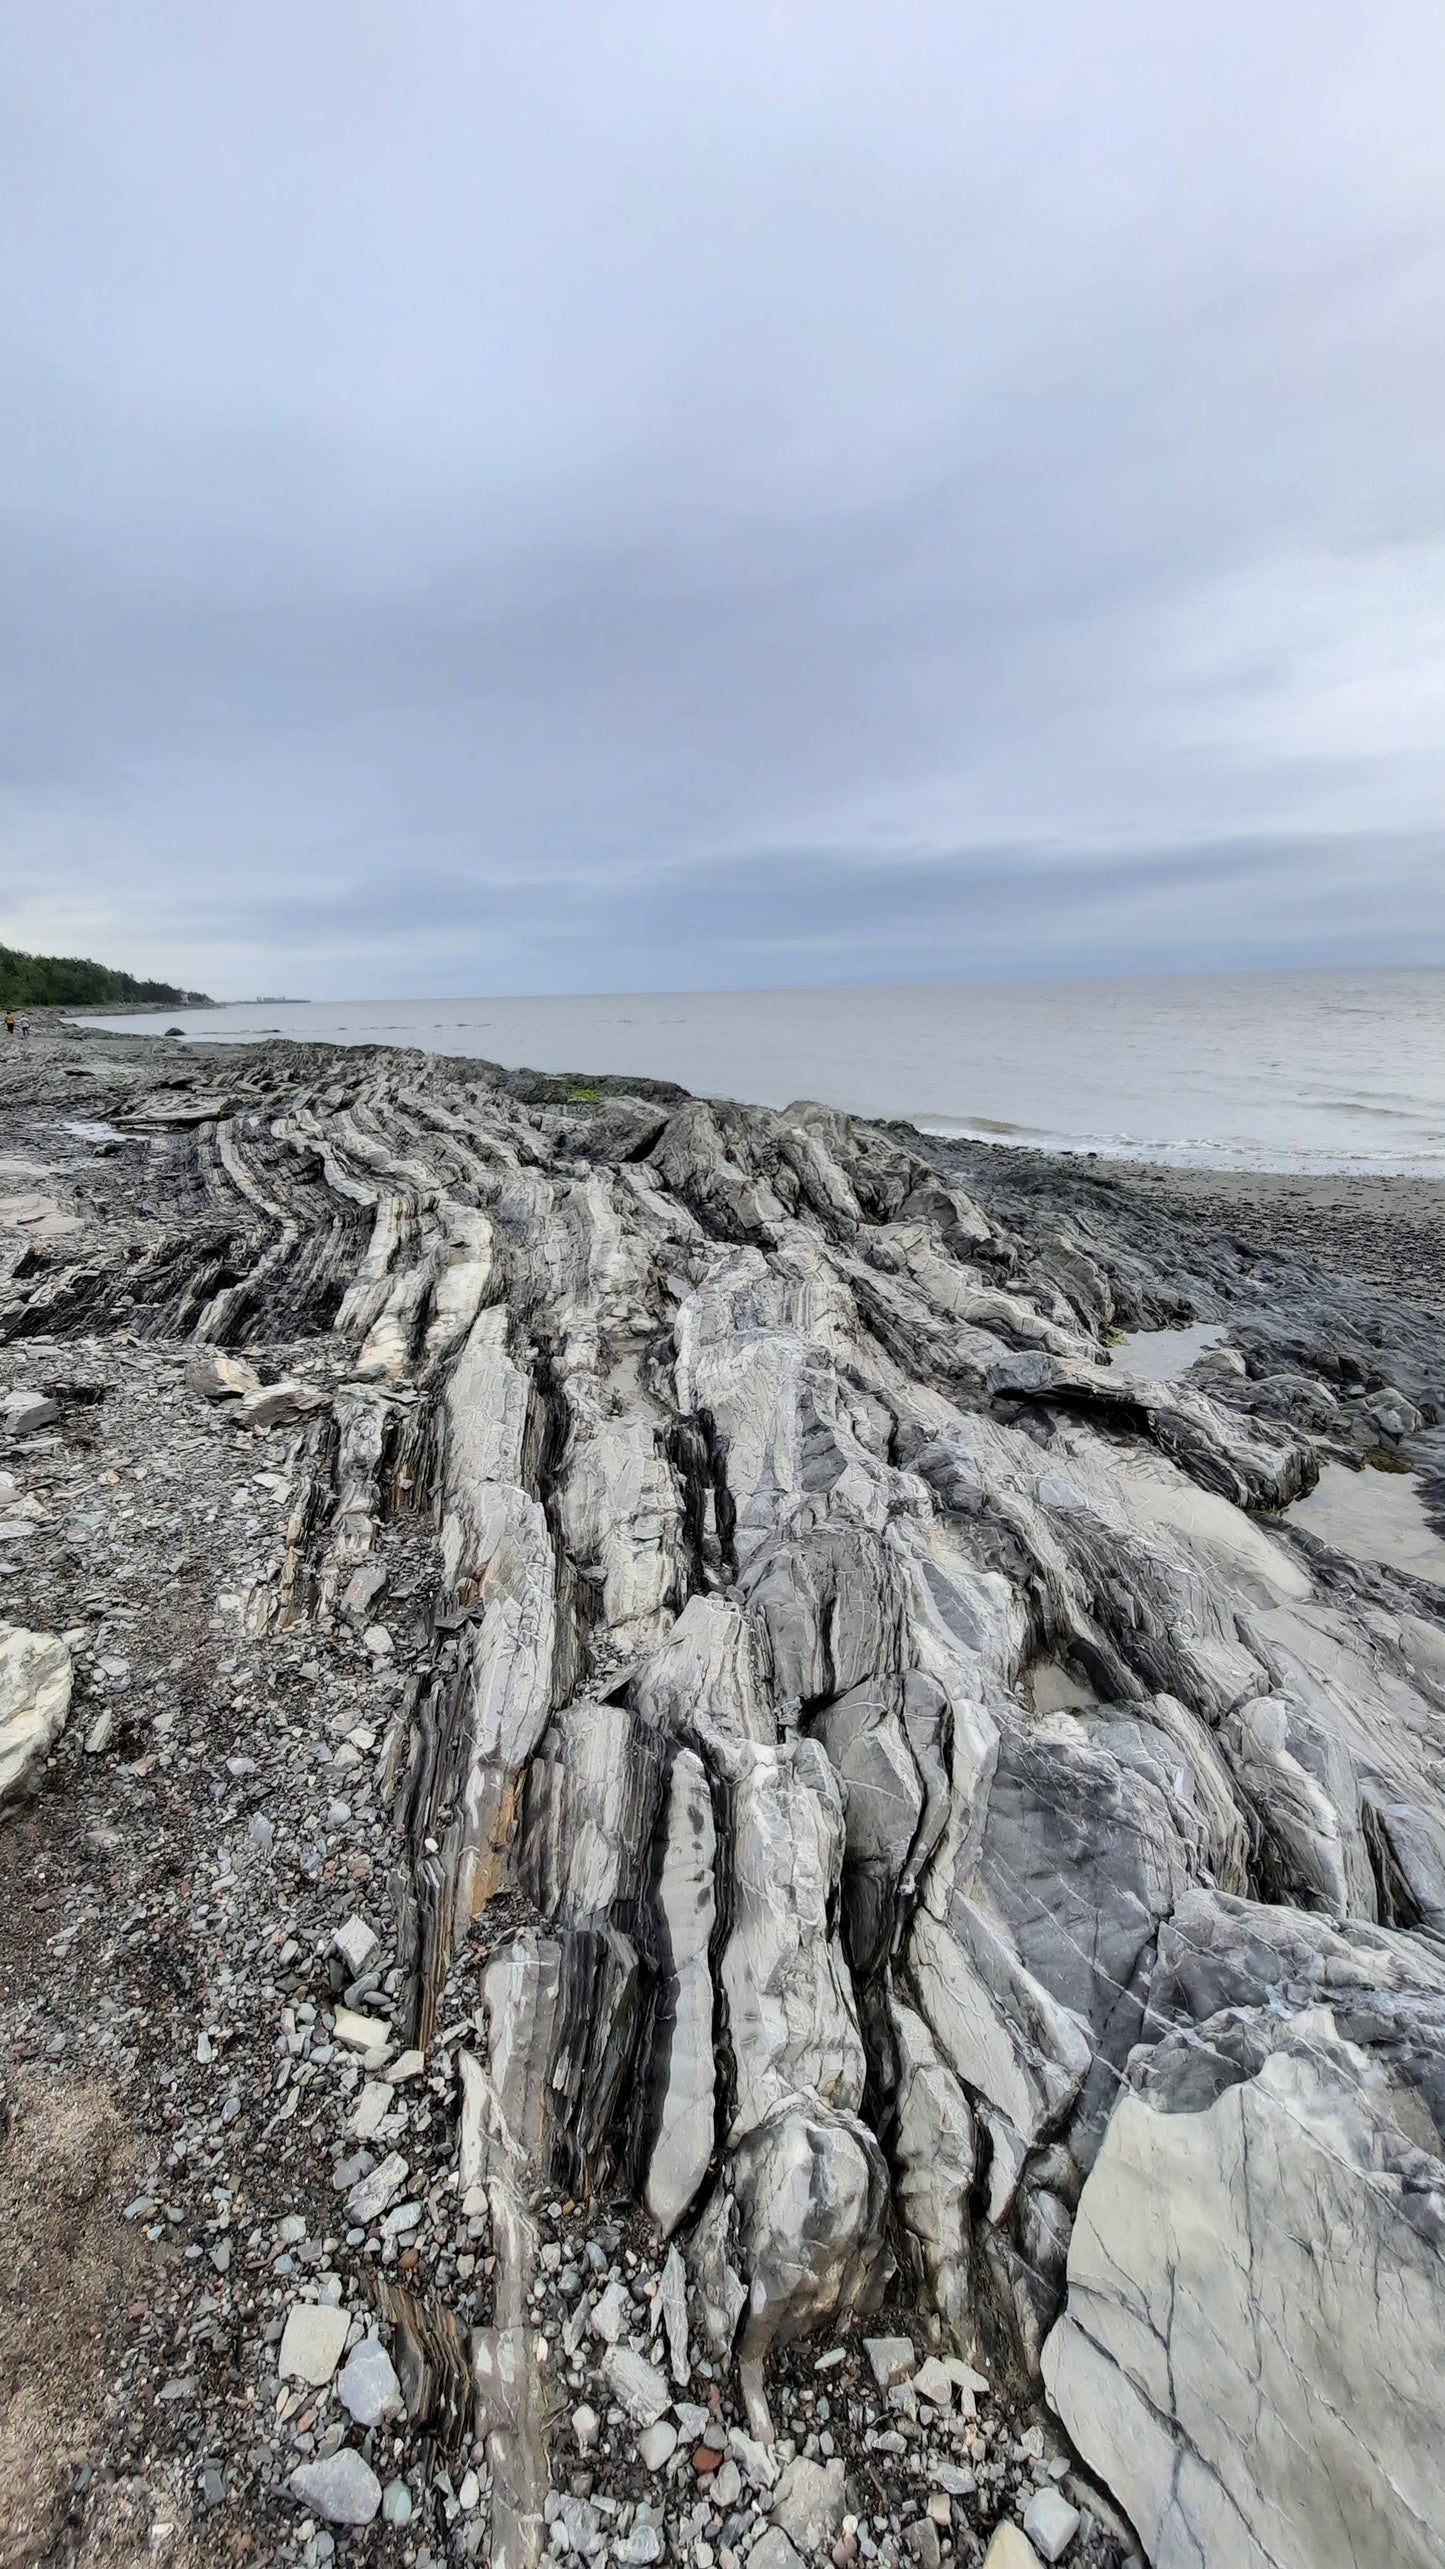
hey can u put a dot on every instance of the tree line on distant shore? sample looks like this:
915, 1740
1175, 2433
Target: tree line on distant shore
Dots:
70, 981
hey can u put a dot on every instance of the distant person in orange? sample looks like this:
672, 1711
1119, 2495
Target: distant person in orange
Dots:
9, 1021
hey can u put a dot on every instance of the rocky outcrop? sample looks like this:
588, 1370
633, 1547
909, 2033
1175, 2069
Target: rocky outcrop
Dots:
921, 1822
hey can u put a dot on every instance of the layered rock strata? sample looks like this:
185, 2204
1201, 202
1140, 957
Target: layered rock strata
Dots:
924, 1824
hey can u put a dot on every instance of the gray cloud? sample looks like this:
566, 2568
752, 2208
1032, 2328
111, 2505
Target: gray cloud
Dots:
566, 499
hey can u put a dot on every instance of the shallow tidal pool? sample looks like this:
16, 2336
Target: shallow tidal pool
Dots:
1373, 1516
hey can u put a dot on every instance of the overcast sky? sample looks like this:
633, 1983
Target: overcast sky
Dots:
501, 495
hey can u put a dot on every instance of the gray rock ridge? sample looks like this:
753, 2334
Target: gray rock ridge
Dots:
904, 1797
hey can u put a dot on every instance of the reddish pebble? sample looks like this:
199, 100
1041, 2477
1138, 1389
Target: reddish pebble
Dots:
705, 2459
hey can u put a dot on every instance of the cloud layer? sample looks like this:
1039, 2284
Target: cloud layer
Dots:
635, 498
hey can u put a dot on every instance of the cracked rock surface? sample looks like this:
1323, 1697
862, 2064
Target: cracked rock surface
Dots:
719, 1892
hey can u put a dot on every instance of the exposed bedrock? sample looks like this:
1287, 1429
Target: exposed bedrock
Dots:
922, 1822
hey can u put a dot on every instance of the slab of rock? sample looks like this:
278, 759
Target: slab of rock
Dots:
773, 2550
36, 1675
891, 2358
809, 2500
635, 2384
613, 2313
356, 1942
954, 2478
674, 2317
344, 2488
277, 1404
1051, 2523
682, 2070
312, 2341
933, 2381
219, 1377
26, 1413
371, 2109
1253, 2341
360, 2033
367, 2385
371, 2194
921, 2538
1010, 2549
640, 2548
754, 2460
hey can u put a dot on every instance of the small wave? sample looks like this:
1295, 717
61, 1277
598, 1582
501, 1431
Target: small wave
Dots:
1358, 1106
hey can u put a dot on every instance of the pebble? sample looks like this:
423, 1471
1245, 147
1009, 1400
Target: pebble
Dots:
396, 2502
643, 2544
657, 2445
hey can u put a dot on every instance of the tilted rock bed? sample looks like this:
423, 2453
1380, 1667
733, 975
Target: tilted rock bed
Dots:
669, 1783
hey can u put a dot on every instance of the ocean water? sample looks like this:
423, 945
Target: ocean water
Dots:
1297, 1070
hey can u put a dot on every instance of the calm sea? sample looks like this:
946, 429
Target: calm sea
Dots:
1302, 1070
